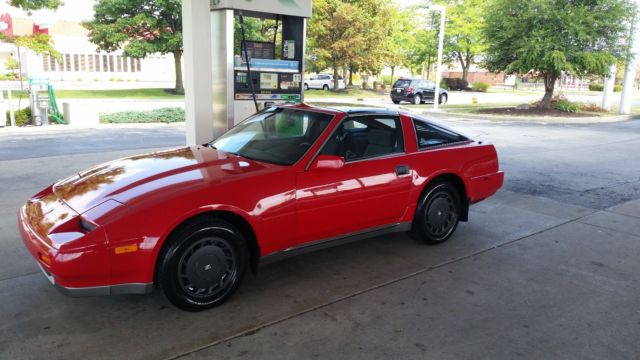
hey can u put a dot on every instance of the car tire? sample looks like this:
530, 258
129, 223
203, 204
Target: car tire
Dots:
438, 213
396, 101
306, 87
325, 87
417, 99
203, 264
443, 99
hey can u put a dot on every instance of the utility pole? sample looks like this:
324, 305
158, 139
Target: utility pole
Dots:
443, 18
630, 70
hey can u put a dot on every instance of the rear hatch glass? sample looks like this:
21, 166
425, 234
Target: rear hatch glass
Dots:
402, 83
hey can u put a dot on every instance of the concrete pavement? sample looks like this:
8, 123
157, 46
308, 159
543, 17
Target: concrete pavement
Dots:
546, 269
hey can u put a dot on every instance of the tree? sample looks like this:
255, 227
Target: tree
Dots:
401, 40
463, 35
334, 32
547, 38
140, 28
29, 5
348, 34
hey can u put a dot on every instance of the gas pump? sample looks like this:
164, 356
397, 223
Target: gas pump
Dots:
39, 101
260, 79
223, 84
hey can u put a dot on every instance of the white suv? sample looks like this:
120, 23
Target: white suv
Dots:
324, 82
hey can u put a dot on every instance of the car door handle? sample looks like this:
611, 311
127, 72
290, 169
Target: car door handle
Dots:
402, 170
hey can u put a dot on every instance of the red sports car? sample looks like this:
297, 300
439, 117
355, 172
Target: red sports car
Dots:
288, 180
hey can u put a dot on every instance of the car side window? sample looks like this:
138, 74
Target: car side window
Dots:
365, 137
429, 135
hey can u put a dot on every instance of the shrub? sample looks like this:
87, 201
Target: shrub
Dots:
22, 117
456, 84
480, 86
596, 87
600, 87
566, 106
443, 85
163, 115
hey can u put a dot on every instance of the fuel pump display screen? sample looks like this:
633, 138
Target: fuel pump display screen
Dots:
260, 50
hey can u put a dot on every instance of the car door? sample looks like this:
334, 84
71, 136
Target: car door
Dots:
429, 89
313, 82
369, 192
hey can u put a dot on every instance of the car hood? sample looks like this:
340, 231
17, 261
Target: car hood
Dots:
134, 178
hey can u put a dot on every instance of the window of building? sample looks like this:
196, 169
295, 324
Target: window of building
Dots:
67, 62
53, 63
111, 65
125, 64
138, 67
90, 63
76, 62
96, 59
83, 62
119, 63
45, 62
105, 63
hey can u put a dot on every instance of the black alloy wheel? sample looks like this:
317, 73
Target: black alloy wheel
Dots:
438, 214
203, 265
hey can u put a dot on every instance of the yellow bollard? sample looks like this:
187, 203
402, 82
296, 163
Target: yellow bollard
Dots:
474, 101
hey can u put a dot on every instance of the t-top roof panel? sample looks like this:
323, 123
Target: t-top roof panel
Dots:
300, 8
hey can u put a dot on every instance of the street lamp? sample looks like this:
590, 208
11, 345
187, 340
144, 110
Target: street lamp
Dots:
443, 15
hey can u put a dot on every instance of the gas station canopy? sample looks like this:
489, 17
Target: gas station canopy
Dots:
299, 8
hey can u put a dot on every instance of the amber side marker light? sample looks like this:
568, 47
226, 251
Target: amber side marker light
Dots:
126, 249
45, 258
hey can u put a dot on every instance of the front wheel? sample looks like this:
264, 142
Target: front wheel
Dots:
443, 99
306, 87
438, 213
203, 265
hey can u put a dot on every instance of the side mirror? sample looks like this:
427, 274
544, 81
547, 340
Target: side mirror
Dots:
328, 162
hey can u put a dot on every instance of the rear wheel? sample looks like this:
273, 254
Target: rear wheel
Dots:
203, 265
325, 87
396, 102
438, 213
417, 99
306, 87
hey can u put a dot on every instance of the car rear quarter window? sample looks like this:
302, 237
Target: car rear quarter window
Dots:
429, 135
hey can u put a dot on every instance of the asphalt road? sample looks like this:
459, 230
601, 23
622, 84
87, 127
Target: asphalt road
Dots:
546, 269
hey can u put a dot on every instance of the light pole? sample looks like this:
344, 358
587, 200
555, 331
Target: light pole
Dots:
443, 16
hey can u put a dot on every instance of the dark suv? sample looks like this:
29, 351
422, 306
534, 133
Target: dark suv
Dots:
416, 91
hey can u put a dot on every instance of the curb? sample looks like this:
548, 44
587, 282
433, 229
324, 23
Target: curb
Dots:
51, 129
527, 119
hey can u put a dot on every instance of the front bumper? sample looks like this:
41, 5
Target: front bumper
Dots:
78, 273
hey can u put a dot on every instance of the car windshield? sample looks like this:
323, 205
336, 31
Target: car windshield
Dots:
277, 135
402, 83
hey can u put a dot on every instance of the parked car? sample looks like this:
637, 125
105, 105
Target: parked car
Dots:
417, 91
324, 82
289, 180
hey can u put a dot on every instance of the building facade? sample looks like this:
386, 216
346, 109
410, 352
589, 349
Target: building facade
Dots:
80, 60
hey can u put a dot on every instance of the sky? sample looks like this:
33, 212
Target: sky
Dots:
73, 10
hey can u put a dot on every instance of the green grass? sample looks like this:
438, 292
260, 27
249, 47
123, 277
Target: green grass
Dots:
350, 93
